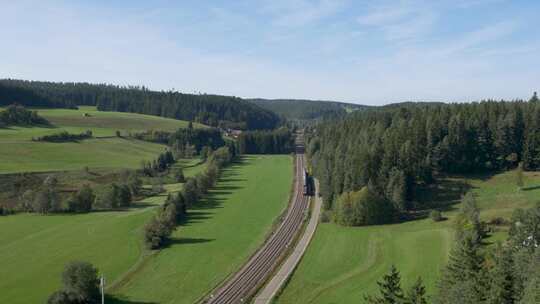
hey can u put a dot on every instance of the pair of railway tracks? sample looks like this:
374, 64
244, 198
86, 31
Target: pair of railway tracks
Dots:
241, 287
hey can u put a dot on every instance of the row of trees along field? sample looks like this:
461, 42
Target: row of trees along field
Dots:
506, 273
158, 230
48, 197
280, 141
392, 151
213, 110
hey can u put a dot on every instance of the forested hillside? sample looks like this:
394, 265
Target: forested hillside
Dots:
214, 110
392, 151
298, 109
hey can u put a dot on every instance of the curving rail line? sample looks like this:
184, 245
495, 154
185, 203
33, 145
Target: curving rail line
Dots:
245, 282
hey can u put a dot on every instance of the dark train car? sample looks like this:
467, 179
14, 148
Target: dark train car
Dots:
308, 184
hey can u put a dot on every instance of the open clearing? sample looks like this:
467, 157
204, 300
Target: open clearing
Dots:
34, 248
342, 264
20, 154
218, 237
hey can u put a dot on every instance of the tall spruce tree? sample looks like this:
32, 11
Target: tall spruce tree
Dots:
390, 291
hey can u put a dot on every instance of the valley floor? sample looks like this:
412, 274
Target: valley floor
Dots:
219, 235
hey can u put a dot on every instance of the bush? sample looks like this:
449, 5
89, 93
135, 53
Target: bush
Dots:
64, 136
326, 216
160, 227
179, 175
436, 215
357, 208
80, 285
114, 196
82, 201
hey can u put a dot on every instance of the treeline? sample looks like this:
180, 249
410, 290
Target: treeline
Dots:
190, 141
158, 230
392, 151
280, 141
48, 197
213, 110
64, 136
162, 163
19, 116
30, 94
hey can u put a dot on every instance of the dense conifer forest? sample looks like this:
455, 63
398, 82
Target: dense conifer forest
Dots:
214, 110
279, 141
394, 150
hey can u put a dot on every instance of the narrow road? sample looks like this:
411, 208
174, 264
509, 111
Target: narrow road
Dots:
241, 287
272, 288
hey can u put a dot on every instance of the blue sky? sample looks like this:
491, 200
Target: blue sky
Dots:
370, 52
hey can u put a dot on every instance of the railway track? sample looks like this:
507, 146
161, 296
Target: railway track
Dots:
261, 265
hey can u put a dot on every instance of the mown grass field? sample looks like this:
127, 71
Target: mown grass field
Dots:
342, 264
218, 237
34, 248
20, 154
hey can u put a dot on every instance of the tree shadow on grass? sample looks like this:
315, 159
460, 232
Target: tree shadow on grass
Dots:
109, 299
443, 195
530, 188
182, 241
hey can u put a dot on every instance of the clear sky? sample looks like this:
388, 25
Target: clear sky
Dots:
370, 52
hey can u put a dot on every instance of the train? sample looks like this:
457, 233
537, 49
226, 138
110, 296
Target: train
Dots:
309, 186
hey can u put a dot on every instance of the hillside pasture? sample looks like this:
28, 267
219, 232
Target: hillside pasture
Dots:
20, 154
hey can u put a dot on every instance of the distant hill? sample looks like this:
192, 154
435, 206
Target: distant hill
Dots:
413, 104
302, 109
213, 110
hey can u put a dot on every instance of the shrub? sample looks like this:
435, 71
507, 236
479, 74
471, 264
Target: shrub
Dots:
436, 215
357, 208
80, 285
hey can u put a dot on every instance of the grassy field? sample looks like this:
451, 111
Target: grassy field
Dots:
218, 237
20, 154
34, 248
342, 264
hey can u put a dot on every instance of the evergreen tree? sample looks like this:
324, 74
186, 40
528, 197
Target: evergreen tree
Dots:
463, 277
501, 285
390, 291
417, 293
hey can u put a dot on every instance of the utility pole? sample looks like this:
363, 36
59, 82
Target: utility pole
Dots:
102, 285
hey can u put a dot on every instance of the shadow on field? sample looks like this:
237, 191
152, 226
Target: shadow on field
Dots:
530, 188
182, 241
214, 199
119, 300
443, 196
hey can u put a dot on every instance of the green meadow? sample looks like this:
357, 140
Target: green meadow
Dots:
342, 264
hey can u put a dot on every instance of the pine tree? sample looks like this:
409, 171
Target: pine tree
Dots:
464, 275
390, 291
534, 98
501, 286
417, 293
